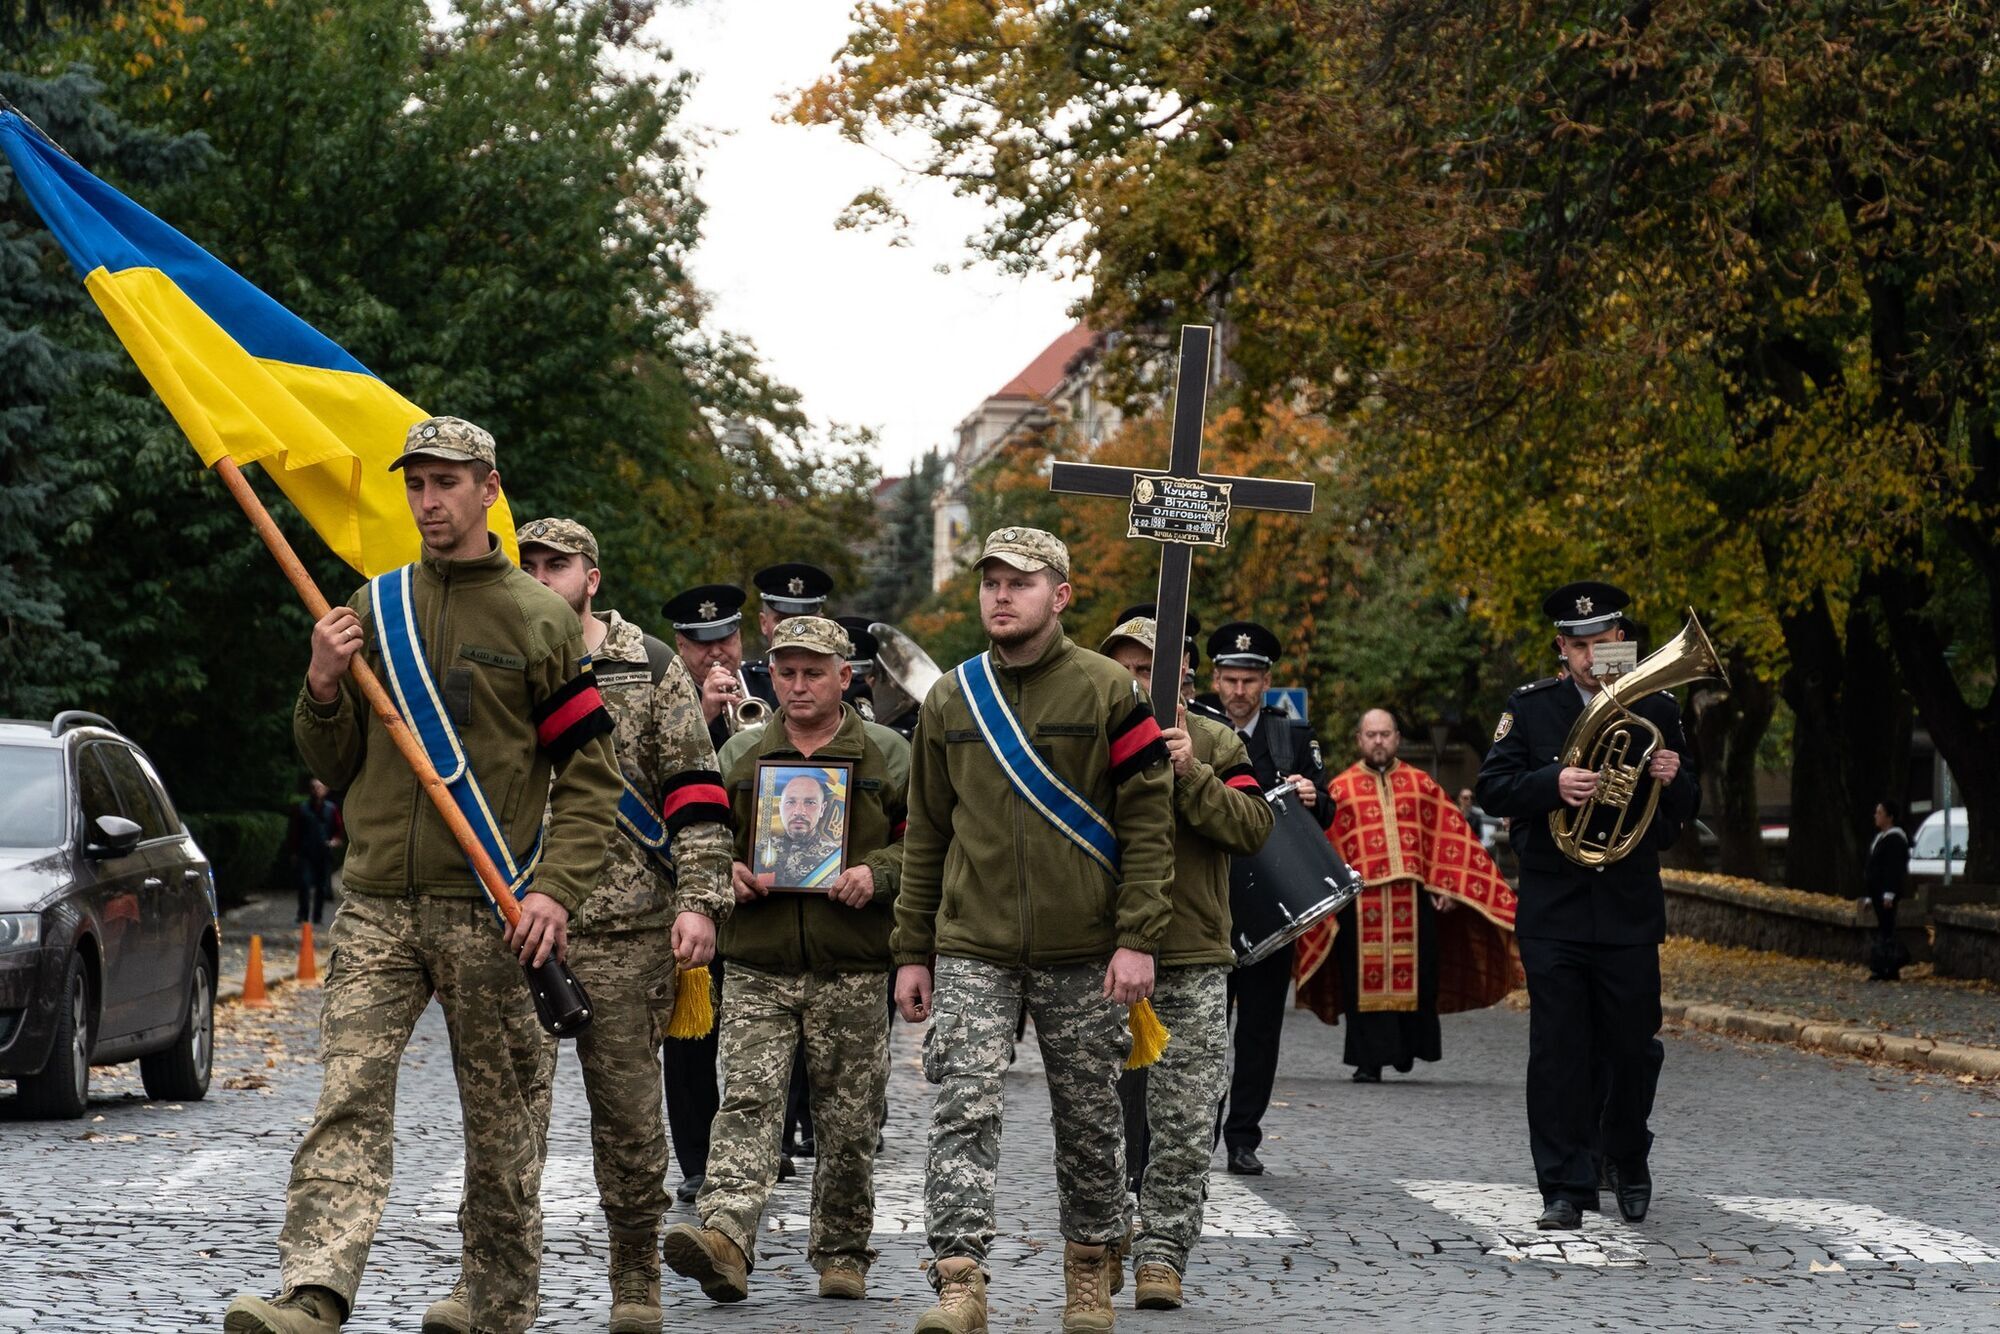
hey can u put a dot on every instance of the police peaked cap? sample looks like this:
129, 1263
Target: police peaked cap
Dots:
863, 639
1586, 607
793, 589
706, 612
1243, 644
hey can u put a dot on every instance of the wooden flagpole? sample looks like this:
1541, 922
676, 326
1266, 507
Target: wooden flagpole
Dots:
378, 699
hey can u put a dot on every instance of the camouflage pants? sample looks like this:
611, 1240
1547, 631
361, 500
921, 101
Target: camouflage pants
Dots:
630, 976
845, 1028
1084, 1043
1182, 1089
388, 956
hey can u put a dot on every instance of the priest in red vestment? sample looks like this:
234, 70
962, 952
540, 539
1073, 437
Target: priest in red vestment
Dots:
1433, 931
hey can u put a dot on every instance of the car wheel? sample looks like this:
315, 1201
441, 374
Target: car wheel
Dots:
60, 1091
181, 1072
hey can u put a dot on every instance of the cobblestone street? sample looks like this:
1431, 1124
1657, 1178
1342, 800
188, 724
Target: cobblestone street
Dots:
1794, 1191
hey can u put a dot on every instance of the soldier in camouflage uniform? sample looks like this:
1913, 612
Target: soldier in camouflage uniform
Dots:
804, 969
515, 680
1219, 810
1013, 910
640, 926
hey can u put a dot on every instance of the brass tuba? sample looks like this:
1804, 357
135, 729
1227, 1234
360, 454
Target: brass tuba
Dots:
904, 673
1606, 738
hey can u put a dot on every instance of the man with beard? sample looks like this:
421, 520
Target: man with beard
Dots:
1038, 865
804, 853
1428, 934
637, 926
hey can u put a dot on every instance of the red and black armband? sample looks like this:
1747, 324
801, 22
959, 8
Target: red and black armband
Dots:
572, 717
1243, 778
1136, 744
695, 796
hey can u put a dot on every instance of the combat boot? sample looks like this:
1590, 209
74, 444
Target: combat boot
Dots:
961, 1305
450, 1314
1158, 1287
303, 1311
710, 1259
1087, 1286
843, 1282
1119, 1250
635, 1282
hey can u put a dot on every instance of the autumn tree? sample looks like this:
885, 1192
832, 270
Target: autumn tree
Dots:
1696, 296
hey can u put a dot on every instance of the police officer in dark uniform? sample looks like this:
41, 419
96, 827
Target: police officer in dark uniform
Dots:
1589, 937
708, 635
791, 589
1281, 750
861, 690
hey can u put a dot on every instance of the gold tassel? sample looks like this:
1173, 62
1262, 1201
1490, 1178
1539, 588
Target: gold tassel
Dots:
694, 1008
1149, 1035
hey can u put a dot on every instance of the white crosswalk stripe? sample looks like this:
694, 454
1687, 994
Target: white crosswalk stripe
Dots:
1505, 1214
1861, 1232
569, 1193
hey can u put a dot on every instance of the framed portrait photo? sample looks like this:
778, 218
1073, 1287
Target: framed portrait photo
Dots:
800, 843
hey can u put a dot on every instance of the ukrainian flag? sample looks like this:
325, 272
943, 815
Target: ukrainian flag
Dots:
245, 378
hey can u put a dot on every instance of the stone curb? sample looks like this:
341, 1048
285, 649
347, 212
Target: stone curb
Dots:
1953, 1058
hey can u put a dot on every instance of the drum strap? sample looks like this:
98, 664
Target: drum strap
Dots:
1283, 744
1031, 778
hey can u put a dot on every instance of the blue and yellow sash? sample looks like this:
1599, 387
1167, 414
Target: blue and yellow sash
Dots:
417, 699
1057, 802
643, 826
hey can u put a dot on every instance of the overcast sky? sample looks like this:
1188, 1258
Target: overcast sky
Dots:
871, 334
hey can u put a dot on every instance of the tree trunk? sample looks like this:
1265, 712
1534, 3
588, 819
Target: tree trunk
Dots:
1728, 727
1852, 737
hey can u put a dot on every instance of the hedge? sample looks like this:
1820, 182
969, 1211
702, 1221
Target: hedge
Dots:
246, 848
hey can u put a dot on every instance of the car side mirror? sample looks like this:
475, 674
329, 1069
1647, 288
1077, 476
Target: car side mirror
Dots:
114, 836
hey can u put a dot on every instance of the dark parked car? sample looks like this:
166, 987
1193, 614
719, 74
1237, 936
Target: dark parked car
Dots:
108, 933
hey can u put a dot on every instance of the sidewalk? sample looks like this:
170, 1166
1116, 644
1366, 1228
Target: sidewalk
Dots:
1939, 1023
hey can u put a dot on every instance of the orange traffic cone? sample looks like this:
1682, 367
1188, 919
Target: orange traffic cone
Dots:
308, 962
253, 975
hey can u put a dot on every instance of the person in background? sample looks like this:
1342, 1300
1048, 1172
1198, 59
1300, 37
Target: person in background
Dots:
314, 840
1887, 870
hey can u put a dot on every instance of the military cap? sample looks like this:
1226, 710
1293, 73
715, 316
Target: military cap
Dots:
1027, 550
1585, 608
706, 612
794, 588
451, 439
565, 535
1149, 611
863, 639
813, 634
1243, 644
1137, 629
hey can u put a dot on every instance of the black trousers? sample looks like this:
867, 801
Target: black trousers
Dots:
1593, 1060
1257, 996
315, 887
693, 1090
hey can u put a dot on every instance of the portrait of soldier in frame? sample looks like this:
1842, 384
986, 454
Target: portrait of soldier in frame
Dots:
801, 836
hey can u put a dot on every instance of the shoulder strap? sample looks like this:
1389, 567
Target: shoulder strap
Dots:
659, 656
1035, 783
1283, 744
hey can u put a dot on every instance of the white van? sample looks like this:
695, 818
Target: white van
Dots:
1927, 852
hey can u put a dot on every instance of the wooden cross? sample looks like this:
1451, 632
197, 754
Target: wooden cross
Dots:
1180, 507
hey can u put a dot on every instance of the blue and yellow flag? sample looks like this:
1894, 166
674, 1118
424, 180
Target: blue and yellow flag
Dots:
245, 378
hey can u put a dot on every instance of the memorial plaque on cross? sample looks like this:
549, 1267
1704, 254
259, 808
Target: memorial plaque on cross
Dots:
1180, 507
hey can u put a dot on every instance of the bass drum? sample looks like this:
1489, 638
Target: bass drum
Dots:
1292, 883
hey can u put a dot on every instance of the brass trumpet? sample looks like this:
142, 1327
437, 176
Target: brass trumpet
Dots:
1604, 740
748, 710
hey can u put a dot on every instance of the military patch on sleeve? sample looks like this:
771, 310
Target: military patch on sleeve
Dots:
1506, 725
